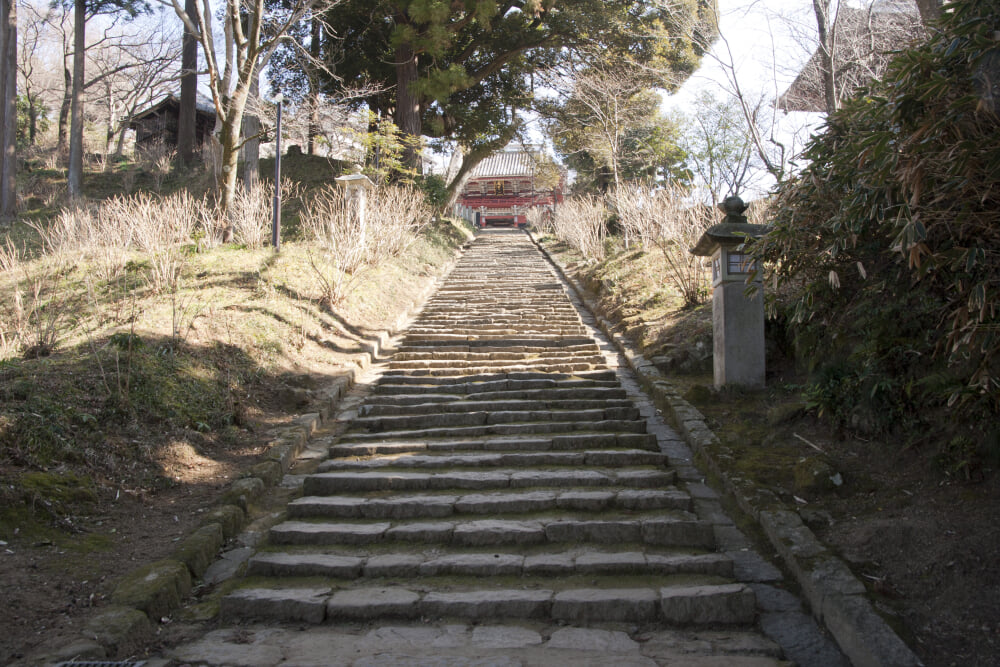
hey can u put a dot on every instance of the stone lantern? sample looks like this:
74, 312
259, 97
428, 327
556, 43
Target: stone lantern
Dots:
737, 320
356, 187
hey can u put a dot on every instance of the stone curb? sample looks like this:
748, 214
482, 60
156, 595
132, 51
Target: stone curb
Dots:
149, 593
835, 596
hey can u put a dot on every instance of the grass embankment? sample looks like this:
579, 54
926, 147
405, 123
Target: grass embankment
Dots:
130, 385
768, 437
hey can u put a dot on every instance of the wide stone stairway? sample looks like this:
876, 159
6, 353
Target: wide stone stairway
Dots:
499, 479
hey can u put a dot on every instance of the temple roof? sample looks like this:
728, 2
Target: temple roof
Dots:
506, 163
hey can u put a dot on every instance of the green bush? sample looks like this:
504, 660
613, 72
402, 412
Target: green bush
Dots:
889, 239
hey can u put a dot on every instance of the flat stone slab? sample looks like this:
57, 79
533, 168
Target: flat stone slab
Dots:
589, 501
301, 532
631, 605
393, 565
725, 604
592, 639
287, 604
611, 563
487, 532
371, 603
479, 565
491, 503
422, 532
487, 604
304, 565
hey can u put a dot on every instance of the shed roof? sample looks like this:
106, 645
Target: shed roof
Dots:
864, 42
202, 104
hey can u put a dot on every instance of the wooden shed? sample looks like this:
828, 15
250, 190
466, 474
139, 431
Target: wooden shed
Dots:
158, 123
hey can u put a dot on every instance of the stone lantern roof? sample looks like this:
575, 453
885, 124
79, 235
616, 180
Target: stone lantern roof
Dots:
733, 229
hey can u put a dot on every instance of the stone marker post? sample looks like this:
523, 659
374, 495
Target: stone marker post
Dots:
737, 320
356, 188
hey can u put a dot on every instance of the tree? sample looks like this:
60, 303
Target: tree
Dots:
608, 126
463, 70
251, 36
719, 147
82, 11
130, 71
32, 78
186, 117
8, 107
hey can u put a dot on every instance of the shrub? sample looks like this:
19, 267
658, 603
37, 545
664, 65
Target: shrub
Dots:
340, 247
666, 220
580, 222
891, 235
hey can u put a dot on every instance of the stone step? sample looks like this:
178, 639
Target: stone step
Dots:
493, 338
496, 470
419, 354
603, 426
620, 458
496, 503
519, 322
433, 418
568, 367
337, 483
512, 360
587, 345
517, 380
443, 403
500, 390
573, 442
666, 528
677, 605
488, 564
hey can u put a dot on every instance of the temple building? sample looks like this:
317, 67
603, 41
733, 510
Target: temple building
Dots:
502, 188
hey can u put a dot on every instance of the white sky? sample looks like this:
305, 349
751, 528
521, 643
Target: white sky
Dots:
754, 37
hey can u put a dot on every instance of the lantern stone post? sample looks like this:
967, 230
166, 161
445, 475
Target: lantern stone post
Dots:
356, 187
737, 320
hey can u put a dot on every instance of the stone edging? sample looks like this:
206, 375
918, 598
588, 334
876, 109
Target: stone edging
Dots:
835, 596
151, 592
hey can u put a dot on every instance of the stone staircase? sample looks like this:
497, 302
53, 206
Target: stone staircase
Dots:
497, 471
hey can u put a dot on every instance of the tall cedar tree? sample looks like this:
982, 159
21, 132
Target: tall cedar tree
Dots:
83, 11
462, 69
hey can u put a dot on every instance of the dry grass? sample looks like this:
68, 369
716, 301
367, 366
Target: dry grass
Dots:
665, 219
343, 244
580, 222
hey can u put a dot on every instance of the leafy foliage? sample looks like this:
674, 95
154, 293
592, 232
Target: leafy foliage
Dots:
891, 236
463, 70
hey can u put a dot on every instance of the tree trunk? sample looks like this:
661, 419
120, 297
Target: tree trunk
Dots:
251, 132
8, 108
314, 41
930, 10
75, 176
187, 117
407, 104
826, 47
109, 136
32, 119
229, 139
62, 142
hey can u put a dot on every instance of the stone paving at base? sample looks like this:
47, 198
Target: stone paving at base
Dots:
505, 494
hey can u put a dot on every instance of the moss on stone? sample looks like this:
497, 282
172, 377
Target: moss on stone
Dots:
157, 588
198, 549
120, 630
230, 517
